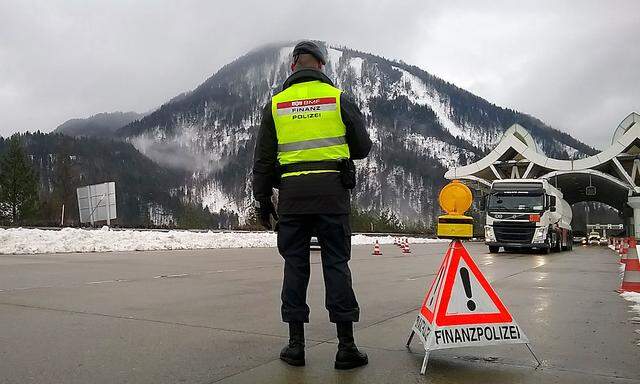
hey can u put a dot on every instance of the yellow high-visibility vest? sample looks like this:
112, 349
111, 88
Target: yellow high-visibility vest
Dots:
309, 125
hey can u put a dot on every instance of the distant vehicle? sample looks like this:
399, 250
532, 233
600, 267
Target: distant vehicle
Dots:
527, 214
604, 241
584, 241
594, 238
315, 245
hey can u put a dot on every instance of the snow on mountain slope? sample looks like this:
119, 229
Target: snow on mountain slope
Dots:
419, 93
445, 153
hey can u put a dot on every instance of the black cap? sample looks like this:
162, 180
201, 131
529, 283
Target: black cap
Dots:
311, 48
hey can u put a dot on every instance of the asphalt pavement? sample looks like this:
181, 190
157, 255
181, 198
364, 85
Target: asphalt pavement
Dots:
212, 316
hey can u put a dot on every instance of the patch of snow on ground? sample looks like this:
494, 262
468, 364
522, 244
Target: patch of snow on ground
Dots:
633, 297
34, 241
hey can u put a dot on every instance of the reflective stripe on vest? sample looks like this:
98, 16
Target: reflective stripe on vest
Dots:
308, 125
313, 143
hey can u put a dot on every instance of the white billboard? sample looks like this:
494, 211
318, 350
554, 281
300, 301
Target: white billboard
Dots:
97, 202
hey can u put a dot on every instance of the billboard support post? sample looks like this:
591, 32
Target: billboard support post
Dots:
108, 208
91, 205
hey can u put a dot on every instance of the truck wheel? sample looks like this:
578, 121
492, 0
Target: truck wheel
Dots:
571, 241
565, 246
550, 244
493, 249
557, 246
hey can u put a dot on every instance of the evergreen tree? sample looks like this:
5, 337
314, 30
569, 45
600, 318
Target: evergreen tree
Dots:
18, 185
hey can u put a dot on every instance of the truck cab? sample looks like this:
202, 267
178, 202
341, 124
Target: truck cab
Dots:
527, 214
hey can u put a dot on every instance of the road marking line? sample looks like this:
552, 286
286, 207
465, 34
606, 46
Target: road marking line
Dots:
25, 288
102, 282
170, 276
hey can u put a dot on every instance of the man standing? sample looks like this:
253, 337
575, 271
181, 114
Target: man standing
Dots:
309, 135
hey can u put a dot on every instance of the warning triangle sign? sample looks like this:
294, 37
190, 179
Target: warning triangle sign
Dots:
467, 297
462, 309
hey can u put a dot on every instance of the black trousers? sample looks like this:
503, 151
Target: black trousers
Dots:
334, 237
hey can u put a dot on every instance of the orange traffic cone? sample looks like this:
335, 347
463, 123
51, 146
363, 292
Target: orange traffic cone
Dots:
624, 250
376, 249
405, 246
631, 279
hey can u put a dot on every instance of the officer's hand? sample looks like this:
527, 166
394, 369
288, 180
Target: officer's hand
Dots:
265, 211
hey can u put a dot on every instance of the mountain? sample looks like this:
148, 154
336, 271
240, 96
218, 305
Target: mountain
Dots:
147, 194
100, 125
420, 125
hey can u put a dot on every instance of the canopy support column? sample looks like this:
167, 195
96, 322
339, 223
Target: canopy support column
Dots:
634, 202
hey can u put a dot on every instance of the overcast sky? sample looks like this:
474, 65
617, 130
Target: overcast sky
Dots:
573, 64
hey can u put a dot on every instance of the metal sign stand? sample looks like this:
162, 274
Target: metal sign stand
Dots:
108, 208
425, 360
437, 317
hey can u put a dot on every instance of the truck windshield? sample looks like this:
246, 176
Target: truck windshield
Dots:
508, 202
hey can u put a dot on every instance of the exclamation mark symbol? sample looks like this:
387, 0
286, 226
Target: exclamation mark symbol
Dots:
464, 274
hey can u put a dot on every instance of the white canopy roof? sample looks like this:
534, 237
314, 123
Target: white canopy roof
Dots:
612, 171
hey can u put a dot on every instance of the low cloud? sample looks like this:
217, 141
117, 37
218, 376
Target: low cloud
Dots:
174, 154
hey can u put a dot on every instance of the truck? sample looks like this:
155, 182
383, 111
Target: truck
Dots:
527, 214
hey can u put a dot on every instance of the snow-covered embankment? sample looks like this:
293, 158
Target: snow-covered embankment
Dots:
33, 241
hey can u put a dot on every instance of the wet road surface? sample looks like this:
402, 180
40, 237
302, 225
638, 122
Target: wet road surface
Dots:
212, 316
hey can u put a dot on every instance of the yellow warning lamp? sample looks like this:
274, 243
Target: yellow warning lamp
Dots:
455, 199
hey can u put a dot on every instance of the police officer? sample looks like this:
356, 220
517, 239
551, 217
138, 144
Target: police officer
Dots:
309, 135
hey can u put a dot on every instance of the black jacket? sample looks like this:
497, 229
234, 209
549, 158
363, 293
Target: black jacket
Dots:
311, 193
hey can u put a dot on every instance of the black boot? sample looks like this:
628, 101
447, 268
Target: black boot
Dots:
348, 355
293, 353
